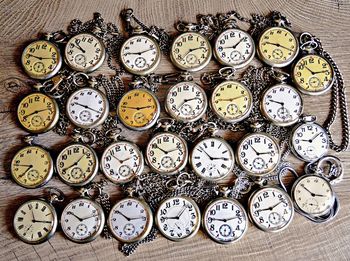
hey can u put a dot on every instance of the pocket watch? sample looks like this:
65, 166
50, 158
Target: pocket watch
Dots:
32, 166
270, 209
138, 109
178, 218
186, 102
41, 59
282, 105
309, 141
258, 154
234, 47
38, 113
84, 53
87, 107
77, 164
35, 221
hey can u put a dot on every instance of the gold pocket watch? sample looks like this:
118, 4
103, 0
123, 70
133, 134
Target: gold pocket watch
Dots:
32, 166
84, 52
35, 221
38, 113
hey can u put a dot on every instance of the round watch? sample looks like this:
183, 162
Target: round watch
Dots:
186, 102
309, 141
130, 220
178, 218
225, 220
212, 158
270, 209
234, 48
84, 53
277, 46
82, 220
32, 167
166, 153
140, 54
41, 59
231, 101
313, 74
282, 105
87, 108
122, 161
190, 51
38, 113
138, 109
77, 164
258, 154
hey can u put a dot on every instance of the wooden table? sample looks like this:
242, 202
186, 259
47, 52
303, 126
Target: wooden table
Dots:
21, 21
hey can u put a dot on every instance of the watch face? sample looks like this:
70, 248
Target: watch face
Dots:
38, 113
32, 167
167, 153
234, 48
77, 164
178, 218
41, 59
282, 105
82, 220
190, 51
130, 220
271, 209
84, 52
313, 195
186, 102
231, 101
313, 74
35, 221
225, 220
140, 54
122, 161
309, 142
87, 108
278, 46
212, 158
258, 154
138, 109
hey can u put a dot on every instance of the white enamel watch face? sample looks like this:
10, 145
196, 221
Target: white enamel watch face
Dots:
190, 51
313, 195
258, 154
235, 48
309, 142
271, 209
87, 108
140, 54
130, 220
84, 53
167, 153
225, 220
186, 102
122, 161
178, 218
212, 158
82, 220
35, 221
282, 105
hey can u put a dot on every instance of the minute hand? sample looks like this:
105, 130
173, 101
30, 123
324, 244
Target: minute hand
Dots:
279, 45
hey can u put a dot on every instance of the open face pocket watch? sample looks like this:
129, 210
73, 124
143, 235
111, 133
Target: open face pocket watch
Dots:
36, 220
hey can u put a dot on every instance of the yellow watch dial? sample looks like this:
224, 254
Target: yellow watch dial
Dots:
41, 59
278, 46
313, 74
138, 109
231, 101
32, 167
38, 113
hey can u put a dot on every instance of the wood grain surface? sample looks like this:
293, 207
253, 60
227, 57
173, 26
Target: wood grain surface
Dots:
21, 21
